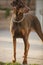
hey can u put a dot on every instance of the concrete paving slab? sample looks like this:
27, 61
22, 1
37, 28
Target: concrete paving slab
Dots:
35, 54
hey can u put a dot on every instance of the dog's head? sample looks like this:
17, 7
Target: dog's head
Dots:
19, 5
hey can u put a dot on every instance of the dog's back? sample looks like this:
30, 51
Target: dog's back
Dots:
34, 24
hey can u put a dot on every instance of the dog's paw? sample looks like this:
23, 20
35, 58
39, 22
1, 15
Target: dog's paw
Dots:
13, 61
24, 62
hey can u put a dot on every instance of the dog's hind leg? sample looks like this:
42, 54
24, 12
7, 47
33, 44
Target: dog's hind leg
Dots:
37, 27
14, 49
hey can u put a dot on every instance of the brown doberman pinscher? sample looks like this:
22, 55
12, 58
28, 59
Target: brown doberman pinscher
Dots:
22, 23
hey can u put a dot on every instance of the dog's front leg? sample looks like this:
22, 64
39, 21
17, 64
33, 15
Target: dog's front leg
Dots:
26, 44
14, 49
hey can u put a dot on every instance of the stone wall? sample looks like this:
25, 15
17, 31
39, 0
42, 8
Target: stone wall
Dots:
5, 22
5, 3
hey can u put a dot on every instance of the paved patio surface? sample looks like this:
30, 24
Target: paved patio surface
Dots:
35, 54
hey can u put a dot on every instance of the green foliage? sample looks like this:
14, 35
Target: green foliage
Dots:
1, 8
7, 12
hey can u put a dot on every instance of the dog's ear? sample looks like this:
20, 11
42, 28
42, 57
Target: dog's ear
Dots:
26, 9
18, 3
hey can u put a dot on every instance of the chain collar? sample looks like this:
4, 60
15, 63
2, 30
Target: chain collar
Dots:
19, 20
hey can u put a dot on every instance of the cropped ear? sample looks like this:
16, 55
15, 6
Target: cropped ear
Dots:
26, 9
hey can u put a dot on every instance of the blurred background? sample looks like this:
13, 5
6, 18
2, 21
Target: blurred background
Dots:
6, 47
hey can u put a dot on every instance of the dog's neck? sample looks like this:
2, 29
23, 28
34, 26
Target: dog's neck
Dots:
18, 18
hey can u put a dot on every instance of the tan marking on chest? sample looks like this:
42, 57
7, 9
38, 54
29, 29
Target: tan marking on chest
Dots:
23, 31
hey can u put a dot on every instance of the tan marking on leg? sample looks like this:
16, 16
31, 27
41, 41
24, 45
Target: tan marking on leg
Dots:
14, 49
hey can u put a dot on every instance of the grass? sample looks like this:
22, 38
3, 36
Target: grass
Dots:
2, 63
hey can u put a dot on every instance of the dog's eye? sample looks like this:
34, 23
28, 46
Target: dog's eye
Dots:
21, 5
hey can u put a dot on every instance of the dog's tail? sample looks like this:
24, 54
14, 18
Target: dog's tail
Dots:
37, 27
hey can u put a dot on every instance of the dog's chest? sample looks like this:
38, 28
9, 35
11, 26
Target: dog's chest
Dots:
18, 28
